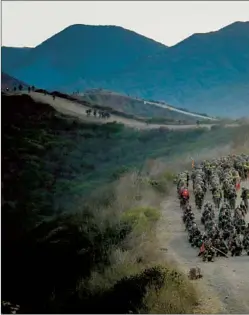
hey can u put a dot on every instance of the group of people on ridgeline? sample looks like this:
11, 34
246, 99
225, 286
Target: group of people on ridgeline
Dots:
101, 114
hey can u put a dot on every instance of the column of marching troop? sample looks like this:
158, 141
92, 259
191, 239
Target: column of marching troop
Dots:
222, 228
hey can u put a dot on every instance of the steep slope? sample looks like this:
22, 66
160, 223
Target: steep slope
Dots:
9, 82
12, 57
83, 54
206, 73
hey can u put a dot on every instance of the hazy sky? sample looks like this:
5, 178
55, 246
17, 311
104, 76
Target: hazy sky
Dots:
27, 23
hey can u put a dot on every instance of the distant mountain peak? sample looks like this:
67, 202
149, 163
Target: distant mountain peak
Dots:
78, 29
235, 25
206, 72
235, 29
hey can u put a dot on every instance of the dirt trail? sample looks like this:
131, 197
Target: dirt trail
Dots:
227, 278
180, 110
74, 109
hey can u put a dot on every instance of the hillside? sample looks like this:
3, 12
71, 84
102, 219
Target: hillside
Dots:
12, 57
53, 164
9, 82
81, 197
93, 113
134, 106
106, 148
82, 54
205, 73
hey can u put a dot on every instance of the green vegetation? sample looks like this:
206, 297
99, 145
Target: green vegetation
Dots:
79, 212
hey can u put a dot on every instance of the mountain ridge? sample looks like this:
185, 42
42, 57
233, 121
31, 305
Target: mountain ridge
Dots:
206, 72
45, 58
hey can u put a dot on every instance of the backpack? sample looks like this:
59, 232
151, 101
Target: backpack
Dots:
185, 193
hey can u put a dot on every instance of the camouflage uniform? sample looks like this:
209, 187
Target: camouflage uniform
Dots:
209, 252
245, 197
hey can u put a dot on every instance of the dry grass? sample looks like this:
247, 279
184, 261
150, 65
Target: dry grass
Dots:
170, 291
137, 203
204, 299
177, 295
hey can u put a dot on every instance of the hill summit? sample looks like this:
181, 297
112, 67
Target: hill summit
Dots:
80, 55
203, 73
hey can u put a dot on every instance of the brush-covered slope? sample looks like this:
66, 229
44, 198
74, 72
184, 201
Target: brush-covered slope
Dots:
46, 158
83, 55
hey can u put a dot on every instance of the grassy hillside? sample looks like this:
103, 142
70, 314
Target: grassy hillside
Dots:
75, 235
87, 154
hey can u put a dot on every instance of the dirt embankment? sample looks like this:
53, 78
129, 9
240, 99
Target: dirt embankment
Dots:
225, 284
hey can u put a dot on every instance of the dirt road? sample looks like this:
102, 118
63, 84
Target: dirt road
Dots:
227, 278
74, 109
179, 110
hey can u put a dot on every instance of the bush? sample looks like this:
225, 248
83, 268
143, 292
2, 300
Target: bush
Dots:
156, 289
176, 295
160, 186
141, 218
163, 182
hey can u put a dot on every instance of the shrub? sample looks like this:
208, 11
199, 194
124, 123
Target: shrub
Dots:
156, 289
159, 185
163, 182
141, 218
176, 296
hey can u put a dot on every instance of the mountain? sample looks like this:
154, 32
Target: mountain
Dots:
12, 57
84, 54
206, 73
9, 82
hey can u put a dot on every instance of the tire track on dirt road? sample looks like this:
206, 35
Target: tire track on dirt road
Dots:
228, 278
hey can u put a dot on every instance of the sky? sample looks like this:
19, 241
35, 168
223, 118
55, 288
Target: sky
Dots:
26, 23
